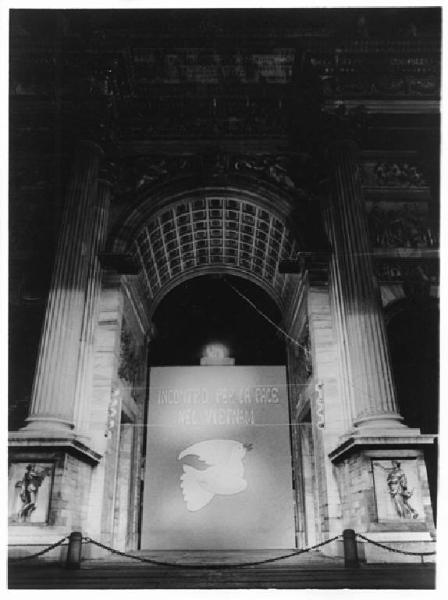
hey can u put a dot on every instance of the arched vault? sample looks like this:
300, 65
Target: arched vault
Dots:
242, 228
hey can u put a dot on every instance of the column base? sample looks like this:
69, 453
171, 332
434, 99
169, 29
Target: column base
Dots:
380, 421
44, 423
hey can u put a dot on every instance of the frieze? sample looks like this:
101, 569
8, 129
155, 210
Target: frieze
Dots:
402, 227
423, 272
392, 174
397, 87
71, 74
151, 170
208, 66
205, 117
354, 64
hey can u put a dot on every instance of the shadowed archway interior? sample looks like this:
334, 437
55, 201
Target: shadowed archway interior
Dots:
206, 310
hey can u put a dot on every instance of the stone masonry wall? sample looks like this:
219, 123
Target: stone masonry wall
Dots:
327, 413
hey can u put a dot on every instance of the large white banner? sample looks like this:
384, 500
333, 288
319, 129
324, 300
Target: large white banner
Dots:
218, 460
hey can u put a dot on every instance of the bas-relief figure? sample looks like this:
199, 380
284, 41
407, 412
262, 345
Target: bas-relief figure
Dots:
399, 491
28, 490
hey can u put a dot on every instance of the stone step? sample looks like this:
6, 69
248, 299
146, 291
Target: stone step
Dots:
132, 575
216, 557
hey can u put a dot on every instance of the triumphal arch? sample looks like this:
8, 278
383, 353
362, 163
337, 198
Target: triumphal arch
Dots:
291, 162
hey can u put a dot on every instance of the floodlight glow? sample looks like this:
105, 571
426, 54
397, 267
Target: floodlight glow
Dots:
216, 351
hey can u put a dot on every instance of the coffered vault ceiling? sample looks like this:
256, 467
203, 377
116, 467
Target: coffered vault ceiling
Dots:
213, 234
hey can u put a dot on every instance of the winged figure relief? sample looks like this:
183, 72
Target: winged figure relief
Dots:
223, 473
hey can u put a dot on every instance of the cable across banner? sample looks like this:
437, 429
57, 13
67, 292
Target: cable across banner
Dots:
268, 319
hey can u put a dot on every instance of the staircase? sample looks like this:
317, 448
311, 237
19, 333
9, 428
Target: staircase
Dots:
307, 571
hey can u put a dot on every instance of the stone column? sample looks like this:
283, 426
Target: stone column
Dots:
364, 355
83, 393
53, 402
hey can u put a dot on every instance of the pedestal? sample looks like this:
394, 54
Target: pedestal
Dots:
384, 493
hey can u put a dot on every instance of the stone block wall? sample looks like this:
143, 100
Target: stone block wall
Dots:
363, 498
355, 484
122, 508
328, 417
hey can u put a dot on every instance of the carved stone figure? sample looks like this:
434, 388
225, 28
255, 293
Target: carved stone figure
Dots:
29, 486
274, 168
395, 174
398, 489
401, 228
153, 173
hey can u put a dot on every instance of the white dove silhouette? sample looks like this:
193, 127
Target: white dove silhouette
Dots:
224, 474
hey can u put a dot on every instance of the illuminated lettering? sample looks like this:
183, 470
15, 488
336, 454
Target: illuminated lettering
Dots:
260, 395
274, 396
183, 417
182, 396
221, 395
163, 396
210, 417
216, 416
189, 416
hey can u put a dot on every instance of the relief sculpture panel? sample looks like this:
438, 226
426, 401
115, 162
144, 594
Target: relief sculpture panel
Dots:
29, 492
397, 490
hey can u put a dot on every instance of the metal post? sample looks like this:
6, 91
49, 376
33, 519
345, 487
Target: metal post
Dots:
350, 549
74, 550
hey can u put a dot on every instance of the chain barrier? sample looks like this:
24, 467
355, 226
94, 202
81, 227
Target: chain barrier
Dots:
44, 551
407, 552
218, 566
208, 566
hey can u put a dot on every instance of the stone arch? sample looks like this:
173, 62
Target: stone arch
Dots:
234, 225
223, 225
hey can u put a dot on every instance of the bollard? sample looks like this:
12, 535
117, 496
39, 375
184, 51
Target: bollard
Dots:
74, 550
350, 549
